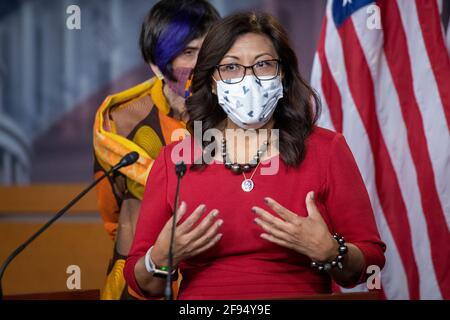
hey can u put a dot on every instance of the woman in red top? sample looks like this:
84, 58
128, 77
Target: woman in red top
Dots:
277, 216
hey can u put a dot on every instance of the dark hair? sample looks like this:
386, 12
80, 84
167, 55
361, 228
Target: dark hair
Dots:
295, 114
170, 26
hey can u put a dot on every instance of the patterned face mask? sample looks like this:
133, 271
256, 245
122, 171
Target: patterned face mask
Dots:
182, 86
251, 102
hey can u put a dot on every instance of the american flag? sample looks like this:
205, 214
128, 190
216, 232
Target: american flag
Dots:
382, 70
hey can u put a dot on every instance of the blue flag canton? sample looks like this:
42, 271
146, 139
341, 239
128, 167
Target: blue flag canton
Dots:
343, 9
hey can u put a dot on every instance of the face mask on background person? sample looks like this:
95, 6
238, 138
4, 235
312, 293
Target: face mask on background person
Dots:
251, 102
182, 85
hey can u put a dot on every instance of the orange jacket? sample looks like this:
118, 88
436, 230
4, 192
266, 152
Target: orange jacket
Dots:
136, 119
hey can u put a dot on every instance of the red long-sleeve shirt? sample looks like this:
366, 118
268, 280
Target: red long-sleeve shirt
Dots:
242, 265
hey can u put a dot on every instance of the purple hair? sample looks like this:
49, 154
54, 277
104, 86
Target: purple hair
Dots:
170, 26
174, 38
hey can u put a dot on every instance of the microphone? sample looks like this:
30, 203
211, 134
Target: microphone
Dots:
127, 160
180, 170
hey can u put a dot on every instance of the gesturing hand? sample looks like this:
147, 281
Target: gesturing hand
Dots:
306, 235
189, 241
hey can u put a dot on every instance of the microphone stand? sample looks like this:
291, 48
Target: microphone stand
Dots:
180, 169
132, 157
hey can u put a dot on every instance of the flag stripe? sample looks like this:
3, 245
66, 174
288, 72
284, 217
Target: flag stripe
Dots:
430, 104
399, 61
328, 84
396, 50
325, 118
430, 22
393, 275
362, 89
395, 134
383, 72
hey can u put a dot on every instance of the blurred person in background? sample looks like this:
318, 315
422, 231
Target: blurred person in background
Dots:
143, 118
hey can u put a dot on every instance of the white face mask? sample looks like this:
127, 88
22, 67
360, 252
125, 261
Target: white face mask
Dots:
251, 102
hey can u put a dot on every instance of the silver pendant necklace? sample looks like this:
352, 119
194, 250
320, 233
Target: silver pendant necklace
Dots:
247, 185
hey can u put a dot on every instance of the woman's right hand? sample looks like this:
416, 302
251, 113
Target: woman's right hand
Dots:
189, 241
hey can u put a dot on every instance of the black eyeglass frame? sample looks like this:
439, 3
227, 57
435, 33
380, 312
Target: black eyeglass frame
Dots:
249, 67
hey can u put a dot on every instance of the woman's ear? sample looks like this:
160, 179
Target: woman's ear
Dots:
156, 71
214, 86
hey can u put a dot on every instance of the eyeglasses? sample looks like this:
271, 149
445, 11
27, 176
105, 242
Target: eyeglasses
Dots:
233, 73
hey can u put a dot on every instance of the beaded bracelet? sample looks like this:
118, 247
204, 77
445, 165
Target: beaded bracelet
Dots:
336, 262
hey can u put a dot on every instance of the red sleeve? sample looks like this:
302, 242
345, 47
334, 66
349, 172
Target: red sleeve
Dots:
153, 215
348, 205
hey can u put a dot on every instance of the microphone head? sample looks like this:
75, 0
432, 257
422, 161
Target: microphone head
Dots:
127, 160
180, 168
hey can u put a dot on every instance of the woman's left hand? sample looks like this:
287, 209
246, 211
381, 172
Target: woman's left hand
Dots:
306, 235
